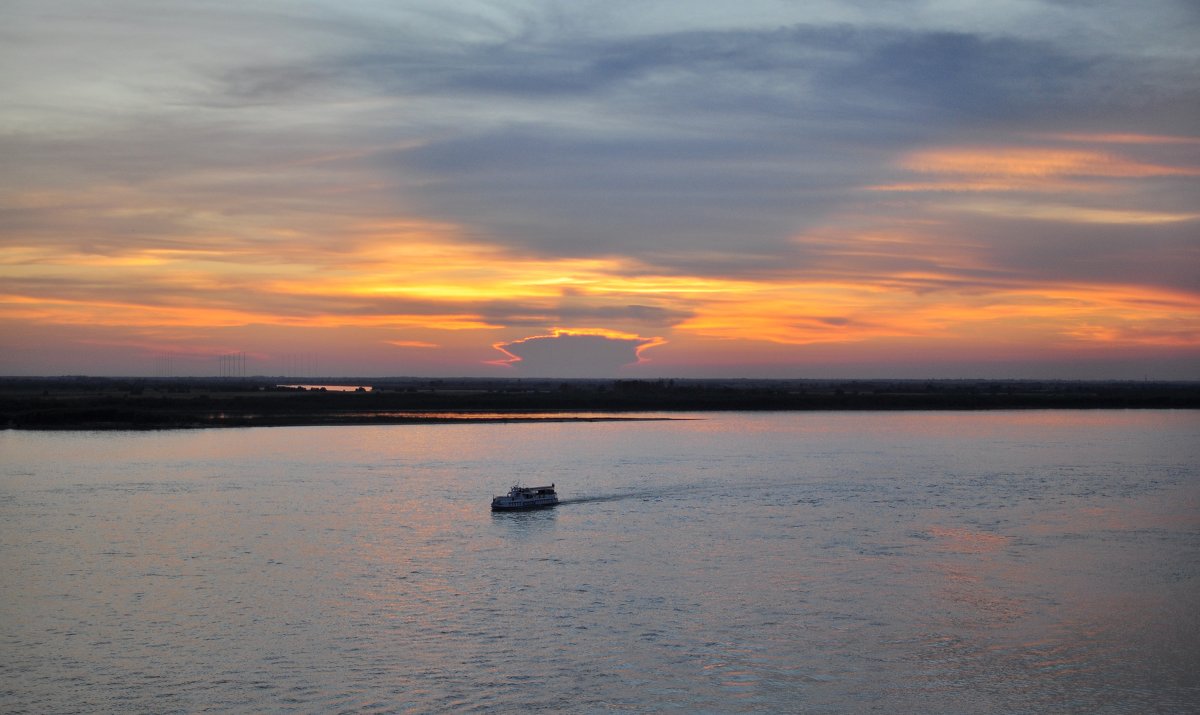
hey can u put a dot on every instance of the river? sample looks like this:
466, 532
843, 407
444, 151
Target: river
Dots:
936, 562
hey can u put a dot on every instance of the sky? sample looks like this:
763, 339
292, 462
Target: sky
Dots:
767, 188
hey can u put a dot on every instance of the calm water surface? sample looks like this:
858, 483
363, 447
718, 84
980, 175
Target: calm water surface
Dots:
1015, 562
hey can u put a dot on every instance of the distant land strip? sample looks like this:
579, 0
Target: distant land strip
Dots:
98, 403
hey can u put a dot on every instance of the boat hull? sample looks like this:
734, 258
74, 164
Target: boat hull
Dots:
523, 505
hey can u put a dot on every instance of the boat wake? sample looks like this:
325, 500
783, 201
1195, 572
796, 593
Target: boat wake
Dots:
673, 490
644, 495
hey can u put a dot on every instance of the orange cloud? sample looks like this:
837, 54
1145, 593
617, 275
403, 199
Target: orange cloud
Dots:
900, 306
986, 169
1121, 138
1071, 214
1020, 162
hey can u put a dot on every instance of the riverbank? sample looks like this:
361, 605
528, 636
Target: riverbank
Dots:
173, 403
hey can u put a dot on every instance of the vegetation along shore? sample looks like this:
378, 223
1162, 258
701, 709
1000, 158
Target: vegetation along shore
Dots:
166, 403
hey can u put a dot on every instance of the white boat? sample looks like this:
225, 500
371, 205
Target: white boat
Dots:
520, 497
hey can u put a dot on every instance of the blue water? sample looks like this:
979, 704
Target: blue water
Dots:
1016, 562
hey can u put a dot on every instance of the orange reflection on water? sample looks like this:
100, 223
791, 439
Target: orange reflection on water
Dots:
967, 541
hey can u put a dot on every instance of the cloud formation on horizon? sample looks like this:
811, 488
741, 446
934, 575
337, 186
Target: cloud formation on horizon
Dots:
575, 354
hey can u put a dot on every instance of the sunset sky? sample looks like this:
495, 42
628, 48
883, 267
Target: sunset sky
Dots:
636, 189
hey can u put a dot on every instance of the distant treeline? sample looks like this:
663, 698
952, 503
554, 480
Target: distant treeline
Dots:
161, 403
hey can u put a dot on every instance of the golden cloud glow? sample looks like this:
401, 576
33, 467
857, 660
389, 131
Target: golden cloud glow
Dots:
411, 282
890, 304
141, 315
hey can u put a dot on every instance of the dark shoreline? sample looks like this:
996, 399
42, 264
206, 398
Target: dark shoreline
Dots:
93, 403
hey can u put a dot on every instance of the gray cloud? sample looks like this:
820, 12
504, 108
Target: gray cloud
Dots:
646, 317
567, 355
685, 148
730, 143
1165, 255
